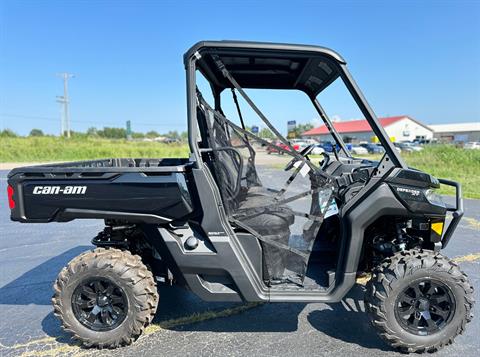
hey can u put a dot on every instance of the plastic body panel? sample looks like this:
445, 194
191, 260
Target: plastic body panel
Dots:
410, 187
156, 194
381, 202
222, 255
226, 256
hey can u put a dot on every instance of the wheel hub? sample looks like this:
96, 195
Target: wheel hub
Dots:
425, 307
99, 304
102, 300
423, 304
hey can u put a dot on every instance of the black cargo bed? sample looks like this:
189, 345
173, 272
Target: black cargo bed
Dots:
107, 165
137, 190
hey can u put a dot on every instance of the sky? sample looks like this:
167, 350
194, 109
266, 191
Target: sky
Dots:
416, 58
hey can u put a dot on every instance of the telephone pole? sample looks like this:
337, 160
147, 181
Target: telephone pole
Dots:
64, 100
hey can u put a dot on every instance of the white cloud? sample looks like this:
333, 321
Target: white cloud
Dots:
316, 122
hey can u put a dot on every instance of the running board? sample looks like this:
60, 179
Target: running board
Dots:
334, 293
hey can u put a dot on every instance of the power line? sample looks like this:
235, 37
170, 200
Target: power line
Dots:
8, 115
27, 116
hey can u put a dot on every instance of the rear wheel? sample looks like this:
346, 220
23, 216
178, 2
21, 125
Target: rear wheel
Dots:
105, 297
419, 301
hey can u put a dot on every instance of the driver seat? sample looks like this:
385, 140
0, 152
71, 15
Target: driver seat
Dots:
245, 199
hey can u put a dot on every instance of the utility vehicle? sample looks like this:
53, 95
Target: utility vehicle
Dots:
213, 224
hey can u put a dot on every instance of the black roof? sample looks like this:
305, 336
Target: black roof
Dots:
268, 65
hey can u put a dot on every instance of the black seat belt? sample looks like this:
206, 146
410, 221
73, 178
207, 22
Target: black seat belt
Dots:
235, 100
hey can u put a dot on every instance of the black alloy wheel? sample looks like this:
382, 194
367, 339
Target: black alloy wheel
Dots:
99, 304
425, 307
419, 300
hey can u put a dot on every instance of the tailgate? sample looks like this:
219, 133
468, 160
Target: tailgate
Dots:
132, 194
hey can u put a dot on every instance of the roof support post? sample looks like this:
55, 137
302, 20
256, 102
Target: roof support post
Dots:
192, 111
367, 111
328, 123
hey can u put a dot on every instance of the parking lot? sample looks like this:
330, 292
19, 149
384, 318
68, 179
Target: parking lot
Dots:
31, 255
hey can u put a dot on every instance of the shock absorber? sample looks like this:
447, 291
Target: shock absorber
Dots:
401, 240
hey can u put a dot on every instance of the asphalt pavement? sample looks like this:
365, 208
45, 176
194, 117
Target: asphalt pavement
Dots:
31, 255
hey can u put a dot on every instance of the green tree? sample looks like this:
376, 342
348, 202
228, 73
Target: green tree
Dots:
77, 134
36, 132
92, 131
173, 135
184, 136
113, 133
7, 133
301, 128
266, 133
137, 135
152, 134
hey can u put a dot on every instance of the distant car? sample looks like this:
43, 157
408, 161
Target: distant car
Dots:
358, 150
272, 149
408, 147
415, 146
317, 150
402, 147
263, 144
397, 149
302, 144
472, 145
373, 149
328, 146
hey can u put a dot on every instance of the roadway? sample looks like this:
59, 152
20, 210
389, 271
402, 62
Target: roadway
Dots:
31, 255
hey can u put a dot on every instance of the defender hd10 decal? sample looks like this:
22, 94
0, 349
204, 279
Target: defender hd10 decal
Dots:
56, 190
409, 191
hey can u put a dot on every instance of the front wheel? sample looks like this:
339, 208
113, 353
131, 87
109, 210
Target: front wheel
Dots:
105, 298
419, 301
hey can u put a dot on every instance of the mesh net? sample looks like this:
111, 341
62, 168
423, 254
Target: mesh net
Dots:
286, 219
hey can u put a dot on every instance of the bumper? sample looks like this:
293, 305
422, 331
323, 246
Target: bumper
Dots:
457, 211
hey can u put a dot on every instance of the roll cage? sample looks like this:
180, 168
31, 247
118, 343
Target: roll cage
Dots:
306, 68
255, 209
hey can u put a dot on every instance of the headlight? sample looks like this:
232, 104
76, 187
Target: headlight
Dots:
433, 197
434, 182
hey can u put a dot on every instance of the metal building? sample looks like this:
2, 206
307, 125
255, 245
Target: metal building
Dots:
457, 132
398, 128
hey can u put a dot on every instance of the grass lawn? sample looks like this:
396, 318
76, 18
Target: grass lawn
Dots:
439, 160
43, 149
445, 161
450, 163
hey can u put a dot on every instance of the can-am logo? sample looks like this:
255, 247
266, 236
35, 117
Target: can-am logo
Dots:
56, 190
409, 190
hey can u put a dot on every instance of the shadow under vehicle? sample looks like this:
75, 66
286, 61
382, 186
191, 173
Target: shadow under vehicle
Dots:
212, 224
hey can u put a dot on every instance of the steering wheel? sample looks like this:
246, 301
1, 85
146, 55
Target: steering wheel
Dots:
325, 161
307, 150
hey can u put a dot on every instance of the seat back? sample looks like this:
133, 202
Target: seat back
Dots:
232, 157
225, 162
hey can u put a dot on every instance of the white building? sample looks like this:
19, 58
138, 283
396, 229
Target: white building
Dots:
398, 128
458, 132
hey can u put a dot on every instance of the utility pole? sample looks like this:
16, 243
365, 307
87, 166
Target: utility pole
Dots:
129, 130
64, 100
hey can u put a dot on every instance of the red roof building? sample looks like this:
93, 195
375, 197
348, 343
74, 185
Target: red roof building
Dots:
399, 128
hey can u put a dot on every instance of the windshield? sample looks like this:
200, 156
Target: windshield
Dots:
348, 124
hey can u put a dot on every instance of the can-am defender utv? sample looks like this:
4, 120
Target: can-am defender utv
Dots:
212, 223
